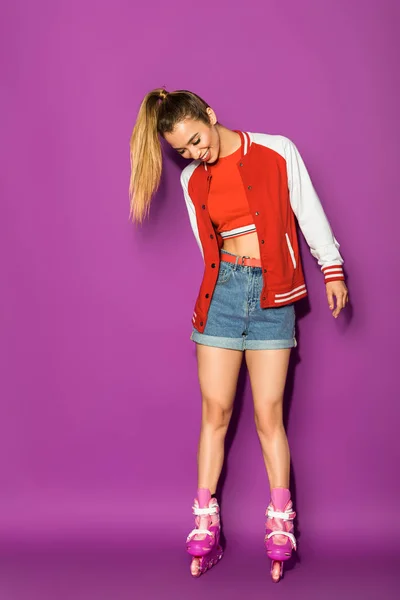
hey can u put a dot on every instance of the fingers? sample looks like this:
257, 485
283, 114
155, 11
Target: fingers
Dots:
341, 301
331, 303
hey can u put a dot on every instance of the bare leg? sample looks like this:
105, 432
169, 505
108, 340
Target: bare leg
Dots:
268, 371
218, 370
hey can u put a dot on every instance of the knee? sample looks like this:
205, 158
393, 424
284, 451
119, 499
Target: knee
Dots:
215, 415
269, 420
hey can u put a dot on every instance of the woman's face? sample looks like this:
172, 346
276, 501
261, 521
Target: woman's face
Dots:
196, 140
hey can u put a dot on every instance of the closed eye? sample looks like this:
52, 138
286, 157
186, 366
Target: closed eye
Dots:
194, 144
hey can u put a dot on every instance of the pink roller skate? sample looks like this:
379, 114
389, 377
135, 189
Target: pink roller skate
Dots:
203, 542
279, 538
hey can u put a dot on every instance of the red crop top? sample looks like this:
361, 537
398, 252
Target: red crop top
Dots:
227, 202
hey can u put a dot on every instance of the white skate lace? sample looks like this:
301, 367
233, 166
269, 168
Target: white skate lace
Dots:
213, 510
285, 516
286, 534
198, 532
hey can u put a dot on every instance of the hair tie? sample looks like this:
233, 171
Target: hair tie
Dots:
162, 95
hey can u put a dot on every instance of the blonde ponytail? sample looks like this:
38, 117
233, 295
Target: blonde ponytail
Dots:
145, 156
159, 112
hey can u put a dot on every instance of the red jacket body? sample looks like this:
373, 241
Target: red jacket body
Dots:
278, 190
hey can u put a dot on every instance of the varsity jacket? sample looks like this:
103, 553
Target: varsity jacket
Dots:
278, 188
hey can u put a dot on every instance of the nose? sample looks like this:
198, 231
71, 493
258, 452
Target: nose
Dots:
196, 153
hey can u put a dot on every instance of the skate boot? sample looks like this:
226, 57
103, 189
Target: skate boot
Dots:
279, 538
203, 542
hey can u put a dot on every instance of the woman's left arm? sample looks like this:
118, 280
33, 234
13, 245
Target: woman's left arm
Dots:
316, 228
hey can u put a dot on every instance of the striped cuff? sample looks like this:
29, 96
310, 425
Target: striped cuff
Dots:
334, 273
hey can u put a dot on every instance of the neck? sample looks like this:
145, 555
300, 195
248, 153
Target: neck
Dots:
229, 141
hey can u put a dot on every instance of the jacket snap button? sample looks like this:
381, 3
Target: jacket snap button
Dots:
201, 323
264, 298
207, 295
213, 266
249, 187
262, 241
265, 270
211, 236
257, 213
241, 164
203, 206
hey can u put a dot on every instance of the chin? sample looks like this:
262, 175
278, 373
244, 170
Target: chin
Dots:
213, 157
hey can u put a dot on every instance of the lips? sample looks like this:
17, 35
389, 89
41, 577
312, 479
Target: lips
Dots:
206, 155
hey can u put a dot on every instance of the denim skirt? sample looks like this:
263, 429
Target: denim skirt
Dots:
235, 318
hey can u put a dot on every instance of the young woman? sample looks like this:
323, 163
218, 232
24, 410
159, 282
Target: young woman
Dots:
243, 192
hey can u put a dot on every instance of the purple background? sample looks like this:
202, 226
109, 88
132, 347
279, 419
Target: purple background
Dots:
100, 406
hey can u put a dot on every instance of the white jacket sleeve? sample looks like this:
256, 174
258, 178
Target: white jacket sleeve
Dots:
190, 207
309, 212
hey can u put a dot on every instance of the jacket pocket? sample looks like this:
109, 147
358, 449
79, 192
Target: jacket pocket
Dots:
291, 251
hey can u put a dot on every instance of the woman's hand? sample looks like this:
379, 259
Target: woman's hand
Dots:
339, 290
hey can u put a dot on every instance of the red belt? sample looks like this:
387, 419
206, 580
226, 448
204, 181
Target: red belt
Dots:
243, 261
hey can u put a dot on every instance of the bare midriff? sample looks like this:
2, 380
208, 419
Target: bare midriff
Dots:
244, 245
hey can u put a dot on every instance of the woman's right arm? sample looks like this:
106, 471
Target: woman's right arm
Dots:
185, 176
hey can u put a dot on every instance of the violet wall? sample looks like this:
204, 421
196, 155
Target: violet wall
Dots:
100, 406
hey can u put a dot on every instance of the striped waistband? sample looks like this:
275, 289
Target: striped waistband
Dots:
238, 231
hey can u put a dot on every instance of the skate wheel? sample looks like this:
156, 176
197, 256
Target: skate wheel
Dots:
200, 565
276, 570
195, 569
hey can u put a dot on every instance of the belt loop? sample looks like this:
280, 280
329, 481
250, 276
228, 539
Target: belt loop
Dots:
236, 262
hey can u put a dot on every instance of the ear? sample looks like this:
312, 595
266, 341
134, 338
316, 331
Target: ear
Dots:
212, 116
